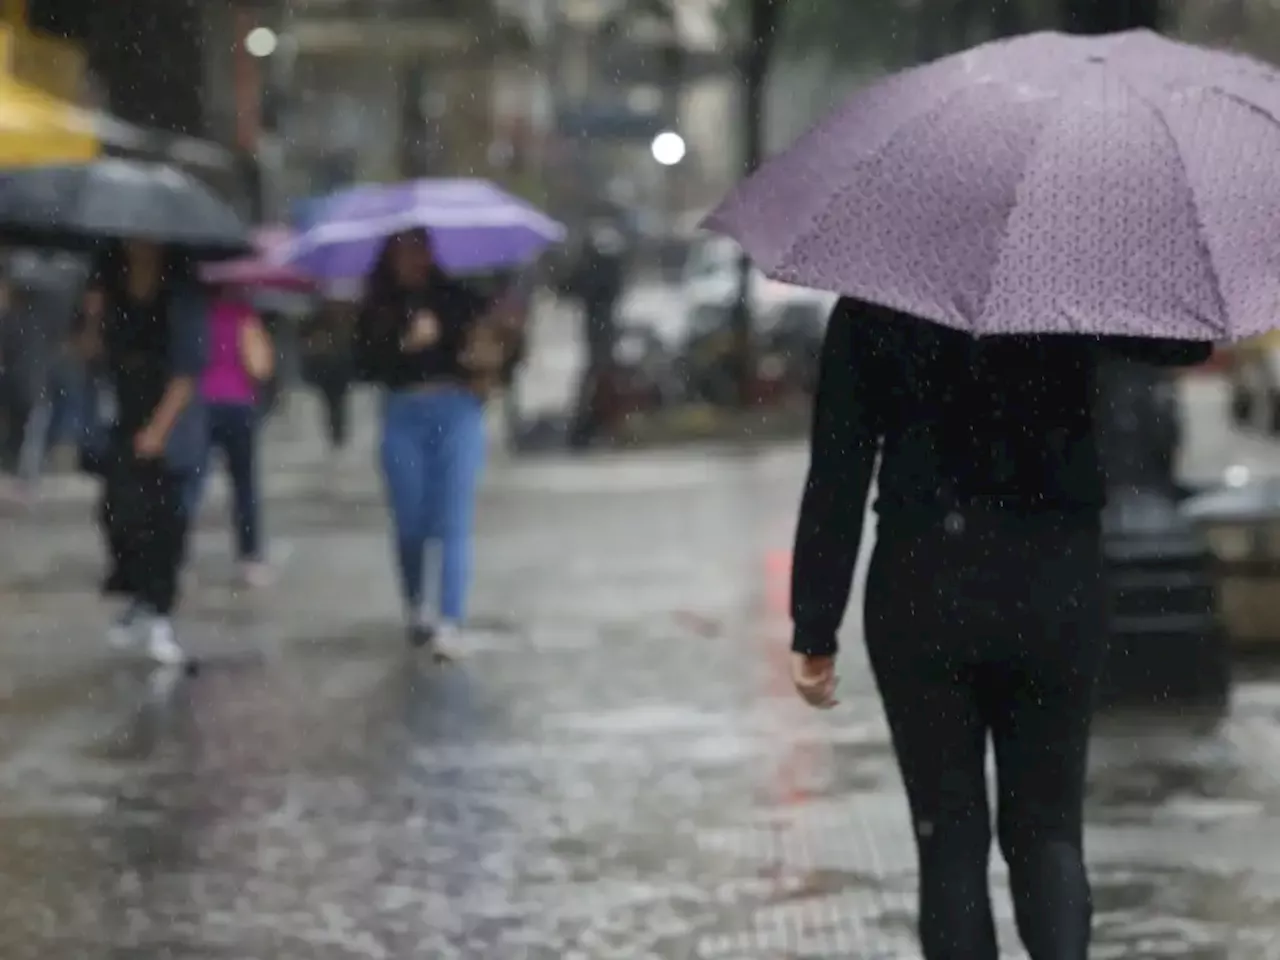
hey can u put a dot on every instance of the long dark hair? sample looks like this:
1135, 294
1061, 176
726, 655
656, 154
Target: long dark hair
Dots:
109, 269
382, 287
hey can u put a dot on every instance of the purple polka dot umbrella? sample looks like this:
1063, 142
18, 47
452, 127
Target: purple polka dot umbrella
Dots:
1126, 185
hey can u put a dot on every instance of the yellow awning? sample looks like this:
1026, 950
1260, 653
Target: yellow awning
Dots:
39, 130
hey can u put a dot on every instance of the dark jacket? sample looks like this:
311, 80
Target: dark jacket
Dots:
1007, 421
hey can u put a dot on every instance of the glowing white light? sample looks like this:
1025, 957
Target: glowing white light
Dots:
1237, 475
668, 148
261, 42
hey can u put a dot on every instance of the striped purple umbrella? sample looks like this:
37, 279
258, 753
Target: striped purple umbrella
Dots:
1126, 184
473, 226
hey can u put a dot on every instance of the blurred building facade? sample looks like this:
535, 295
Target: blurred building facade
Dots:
559, 99
380, 89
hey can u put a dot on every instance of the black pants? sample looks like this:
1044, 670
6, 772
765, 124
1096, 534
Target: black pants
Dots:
990, 625
334, 391
144, 520
17, 419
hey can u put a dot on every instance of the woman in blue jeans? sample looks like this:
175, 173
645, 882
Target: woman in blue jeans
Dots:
426, 340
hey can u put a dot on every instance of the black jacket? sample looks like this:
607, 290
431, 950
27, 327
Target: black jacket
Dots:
953, 419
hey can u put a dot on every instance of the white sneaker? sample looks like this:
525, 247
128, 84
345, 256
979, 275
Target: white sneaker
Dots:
256, 574
161, 645
123, 634
420, 627
446, 641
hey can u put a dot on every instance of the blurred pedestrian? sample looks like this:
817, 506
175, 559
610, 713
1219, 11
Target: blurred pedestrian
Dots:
598, 283
518, 291
10, 420
435, 349
42, 292
145, 327
241, 362
326, 348
984, 613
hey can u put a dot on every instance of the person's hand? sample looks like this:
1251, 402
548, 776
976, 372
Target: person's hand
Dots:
149, 443
484, 352
815, 679
423, 332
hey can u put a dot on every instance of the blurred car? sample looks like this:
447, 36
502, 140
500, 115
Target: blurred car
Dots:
709, 286
1252, 369
789, 322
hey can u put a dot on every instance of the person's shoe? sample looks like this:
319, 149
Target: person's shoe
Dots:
420, 625
421, 635
256, 574
162, 647
123, 634
445, 641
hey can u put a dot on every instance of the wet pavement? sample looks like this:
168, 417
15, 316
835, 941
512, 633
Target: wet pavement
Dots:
614, 770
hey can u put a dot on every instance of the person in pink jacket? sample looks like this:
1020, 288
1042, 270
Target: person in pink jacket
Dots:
241, 359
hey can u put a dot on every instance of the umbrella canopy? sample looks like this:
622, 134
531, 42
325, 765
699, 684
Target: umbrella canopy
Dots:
307, 212
1112, 185
473, 225
76, 206
265, 269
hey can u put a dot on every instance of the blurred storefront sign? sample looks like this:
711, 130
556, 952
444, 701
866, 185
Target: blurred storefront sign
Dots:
610, 122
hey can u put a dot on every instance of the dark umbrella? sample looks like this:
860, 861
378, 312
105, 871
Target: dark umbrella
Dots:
76, 206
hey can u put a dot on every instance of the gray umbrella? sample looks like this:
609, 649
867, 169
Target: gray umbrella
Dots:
75, 206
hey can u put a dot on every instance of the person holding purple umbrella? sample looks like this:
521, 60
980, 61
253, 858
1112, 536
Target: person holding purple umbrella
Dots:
1018, 213
434, 346
984, 610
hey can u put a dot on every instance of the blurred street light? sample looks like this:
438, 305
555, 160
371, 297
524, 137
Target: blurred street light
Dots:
261, 42
668, 148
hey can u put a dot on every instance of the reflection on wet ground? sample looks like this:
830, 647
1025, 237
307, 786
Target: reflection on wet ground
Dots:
363, 805
613, 772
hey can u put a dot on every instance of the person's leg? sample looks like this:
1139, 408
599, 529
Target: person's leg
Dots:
403, 455
35, 443
920, 657
341, 414
19, 418
161, 549
121, 581
333, 394
198, 479
460, 462
1040, 707
16, 413
241, 451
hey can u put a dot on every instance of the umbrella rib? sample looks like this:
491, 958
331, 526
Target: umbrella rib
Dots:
1241, 101
814, 221
1027, 167
1202, 236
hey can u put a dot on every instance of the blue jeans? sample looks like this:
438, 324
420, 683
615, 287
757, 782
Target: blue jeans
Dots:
233, 429
433, 451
